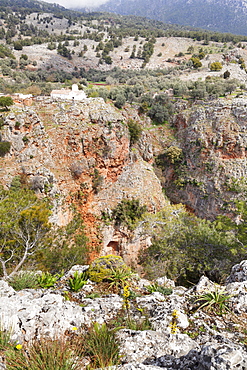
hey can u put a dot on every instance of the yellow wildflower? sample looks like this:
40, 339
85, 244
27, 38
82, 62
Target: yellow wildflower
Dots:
18, 346
74, 328
126, 292
175, 314
173, 325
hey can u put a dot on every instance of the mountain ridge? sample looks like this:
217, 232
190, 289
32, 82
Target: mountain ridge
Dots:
223, 16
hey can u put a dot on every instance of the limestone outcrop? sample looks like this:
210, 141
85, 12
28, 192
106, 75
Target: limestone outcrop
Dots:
202, 339
212, 136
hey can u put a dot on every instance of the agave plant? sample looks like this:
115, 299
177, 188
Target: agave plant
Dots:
119, 276
217, 300
77, 281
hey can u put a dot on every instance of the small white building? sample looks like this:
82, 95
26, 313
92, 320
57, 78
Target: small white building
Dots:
24, 96
65, 94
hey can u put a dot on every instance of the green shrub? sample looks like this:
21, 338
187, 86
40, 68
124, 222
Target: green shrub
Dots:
47, 280
97, 181
1, 122
174, 154
201, 55
159, 112
101, 346
101, 268
16, 183
159, 288
135, 131
4, 148
120, 100
128, 212
25, 139
185, 247
196, 62
216, 66
18, 45
5, 102
77, 281
67, 248
24, 280
226, 74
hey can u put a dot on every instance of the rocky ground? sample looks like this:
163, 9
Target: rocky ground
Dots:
182, 335
168, 47
166, 51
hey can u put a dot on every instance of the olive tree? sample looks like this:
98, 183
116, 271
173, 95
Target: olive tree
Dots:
23, 226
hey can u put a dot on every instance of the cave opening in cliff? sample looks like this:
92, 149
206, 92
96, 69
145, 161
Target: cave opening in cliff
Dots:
113, 246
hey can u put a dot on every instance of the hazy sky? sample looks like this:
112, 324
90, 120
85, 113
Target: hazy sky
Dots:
78, 3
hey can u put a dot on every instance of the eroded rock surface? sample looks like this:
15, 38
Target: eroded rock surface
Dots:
213, 138
80, 153
202, 340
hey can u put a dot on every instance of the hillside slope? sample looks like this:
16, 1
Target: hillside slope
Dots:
222, 16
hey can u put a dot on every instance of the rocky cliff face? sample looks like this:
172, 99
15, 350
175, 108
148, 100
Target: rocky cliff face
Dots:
212, 172
80, 153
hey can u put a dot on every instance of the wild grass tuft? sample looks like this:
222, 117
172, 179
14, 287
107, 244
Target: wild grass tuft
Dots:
44, 355
159, 288
118, 277
24, 280
47, 280
101, 346
5, 338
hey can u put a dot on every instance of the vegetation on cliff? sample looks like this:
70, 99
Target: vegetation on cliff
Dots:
24, 224
185, 247
27, 238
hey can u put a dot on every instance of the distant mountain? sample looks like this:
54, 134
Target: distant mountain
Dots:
217, 15
24, 7
29, 5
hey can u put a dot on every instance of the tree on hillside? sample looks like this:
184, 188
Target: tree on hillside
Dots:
120, 100
18, 45
6, 101
216, 66
69, 247
239, 228
23, 226
196, 62
226, 74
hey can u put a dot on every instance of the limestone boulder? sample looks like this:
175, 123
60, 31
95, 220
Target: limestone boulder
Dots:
145, 346
238, 273
161, 308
